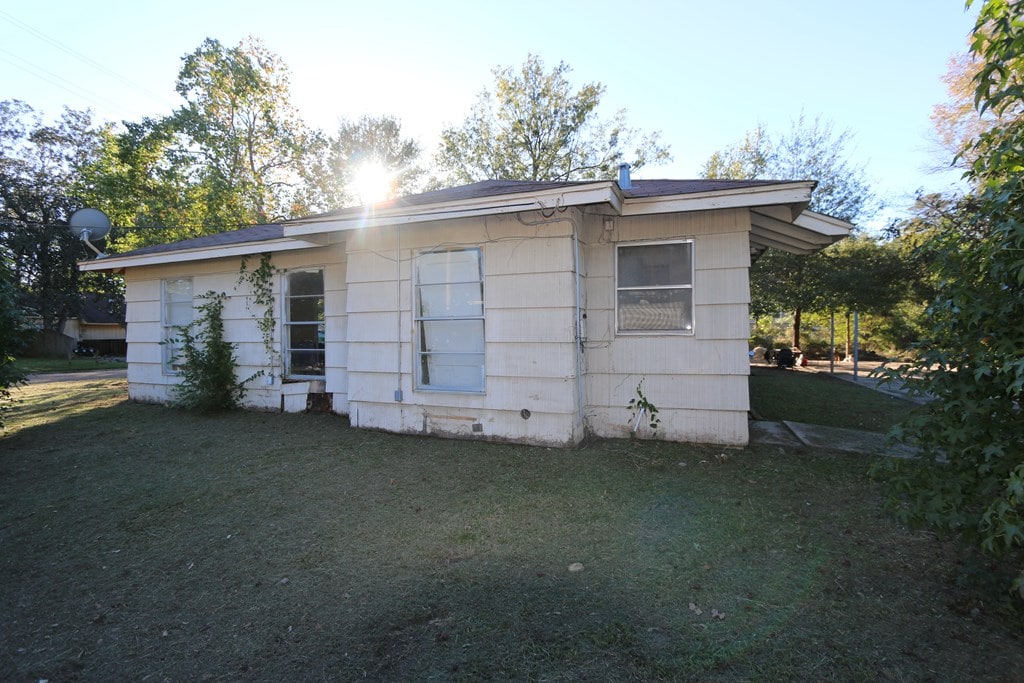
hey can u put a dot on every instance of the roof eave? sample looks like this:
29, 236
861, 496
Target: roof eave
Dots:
598, 192
116, 263
796, 194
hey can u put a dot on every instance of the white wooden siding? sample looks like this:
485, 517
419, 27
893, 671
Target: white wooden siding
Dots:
146, 378
529, 309
699, 381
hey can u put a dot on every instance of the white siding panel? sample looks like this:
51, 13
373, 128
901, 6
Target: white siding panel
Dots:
371, 297
531, 290
730, 286
516, 257
529, 361
537, 325
142, 311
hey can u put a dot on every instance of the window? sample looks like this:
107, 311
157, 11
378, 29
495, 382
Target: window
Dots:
304, 323
654, 287
177, 312
449, 312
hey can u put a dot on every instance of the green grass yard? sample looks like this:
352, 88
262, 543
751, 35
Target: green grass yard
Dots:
76, 364
141, 543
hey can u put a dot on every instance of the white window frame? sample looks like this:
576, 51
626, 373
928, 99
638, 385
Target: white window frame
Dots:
669, 287
288, 323
170, 361
421, 320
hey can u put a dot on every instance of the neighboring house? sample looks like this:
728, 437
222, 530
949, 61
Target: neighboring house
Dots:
509, 310
99, 326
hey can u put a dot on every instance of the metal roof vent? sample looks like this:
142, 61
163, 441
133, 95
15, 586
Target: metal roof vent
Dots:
625, 183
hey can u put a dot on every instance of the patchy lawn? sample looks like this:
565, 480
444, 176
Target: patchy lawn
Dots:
138, 542
817, 398
76, 364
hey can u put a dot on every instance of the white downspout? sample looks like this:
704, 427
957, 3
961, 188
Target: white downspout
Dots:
579, 321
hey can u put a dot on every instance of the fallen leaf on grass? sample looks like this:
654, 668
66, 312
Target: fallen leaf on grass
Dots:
576, 567
695, 609
715, 614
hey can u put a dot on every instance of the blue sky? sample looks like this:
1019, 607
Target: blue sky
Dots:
702, 73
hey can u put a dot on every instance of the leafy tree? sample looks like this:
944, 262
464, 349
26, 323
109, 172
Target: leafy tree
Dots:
970, 359
810, 150
246, 140
368, 141
533, 126
40, 170
11, 323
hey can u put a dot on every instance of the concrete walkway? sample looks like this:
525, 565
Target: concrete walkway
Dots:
788, 434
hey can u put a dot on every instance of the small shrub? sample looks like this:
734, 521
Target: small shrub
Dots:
208, 361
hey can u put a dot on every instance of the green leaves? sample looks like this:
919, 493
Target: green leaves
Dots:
969, 360
208, 361
533, 126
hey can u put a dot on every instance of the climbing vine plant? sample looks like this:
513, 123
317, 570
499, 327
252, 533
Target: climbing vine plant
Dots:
260, 280
642, 410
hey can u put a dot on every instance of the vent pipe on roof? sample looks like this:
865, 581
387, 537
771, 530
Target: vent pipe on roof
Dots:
625, 183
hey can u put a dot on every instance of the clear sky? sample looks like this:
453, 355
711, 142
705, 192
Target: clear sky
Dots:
702, 73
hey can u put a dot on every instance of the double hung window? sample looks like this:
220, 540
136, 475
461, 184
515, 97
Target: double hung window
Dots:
654, 287
176, 304
449, 313
304, 323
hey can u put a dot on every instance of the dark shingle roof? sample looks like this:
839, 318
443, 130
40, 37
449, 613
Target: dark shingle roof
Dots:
479, 190
255, 233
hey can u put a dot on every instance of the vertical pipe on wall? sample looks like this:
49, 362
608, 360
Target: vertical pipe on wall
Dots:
579, 317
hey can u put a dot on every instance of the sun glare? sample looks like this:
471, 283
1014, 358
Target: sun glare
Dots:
372, 182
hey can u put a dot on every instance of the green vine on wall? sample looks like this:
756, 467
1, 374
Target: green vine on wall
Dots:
261, 283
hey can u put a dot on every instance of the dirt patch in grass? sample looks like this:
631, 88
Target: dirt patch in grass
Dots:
139, 542
817, 398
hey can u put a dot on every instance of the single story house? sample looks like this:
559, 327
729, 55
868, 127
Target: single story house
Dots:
510, 310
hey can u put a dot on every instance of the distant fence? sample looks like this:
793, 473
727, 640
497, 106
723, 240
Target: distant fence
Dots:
50, 344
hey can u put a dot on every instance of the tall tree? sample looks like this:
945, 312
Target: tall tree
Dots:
368, 144
970, 358
810, 150
534, 126
246, 139
40, 170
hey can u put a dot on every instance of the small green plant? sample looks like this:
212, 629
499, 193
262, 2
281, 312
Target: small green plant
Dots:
640, 409
208, 361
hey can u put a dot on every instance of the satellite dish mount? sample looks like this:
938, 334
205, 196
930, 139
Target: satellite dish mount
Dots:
90, 224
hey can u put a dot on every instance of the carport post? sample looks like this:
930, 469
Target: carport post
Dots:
832, 342
856, 342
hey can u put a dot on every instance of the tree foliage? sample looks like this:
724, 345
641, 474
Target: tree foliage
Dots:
533, 126
41, 171
11, 339
969, 360
810, 150
337, 161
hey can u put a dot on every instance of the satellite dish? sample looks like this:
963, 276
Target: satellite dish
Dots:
90, 224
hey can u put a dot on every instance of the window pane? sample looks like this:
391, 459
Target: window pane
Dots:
305, 282
452, 335
178, 290
448, 266
306, 362
452, 370
442, 301
306, 309
305, 336
304, 313
656, 309
178, 314
655, 265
